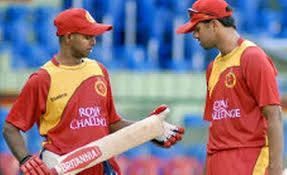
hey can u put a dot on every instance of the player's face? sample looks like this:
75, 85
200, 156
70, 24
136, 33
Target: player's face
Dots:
204, 34
82, 45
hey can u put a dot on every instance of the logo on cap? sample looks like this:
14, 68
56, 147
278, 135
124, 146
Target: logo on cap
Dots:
89, 17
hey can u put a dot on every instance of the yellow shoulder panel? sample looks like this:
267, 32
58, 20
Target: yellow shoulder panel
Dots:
221, 63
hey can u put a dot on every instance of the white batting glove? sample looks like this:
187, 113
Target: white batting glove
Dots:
172, 134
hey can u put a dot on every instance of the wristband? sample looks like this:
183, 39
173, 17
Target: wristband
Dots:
25, 159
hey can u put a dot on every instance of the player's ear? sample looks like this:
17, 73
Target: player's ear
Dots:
67, 38
215, 24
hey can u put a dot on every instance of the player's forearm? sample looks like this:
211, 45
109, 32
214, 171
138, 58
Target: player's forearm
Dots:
275, 148
15, 141
120, 124
275, 139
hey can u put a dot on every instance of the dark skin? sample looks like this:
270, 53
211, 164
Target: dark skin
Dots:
73, 47
15, 141
275, 138
214, 35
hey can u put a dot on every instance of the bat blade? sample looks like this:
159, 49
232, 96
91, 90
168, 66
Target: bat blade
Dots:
109, 146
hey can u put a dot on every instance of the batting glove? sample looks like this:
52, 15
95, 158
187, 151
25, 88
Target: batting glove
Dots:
33, 165
172, 134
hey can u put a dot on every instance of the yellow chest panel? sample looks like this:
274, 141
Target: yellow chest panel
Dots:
64, 82
221, 63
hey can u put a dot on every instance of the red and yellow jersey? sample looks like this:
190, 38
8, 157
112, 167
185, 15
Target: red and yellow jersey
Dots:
72, 105
239, 84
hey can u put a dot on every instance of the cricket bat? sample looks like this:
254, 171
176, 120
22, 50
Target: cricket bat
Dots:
111, 145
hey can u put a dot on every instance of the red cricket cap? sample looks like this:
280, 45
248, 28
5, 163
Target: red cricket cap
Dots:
203, 10
78, 20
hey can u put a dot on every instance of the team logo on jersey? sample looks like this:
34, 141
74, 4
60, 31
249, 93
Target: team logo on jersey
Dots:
89, 17
230, 80
101, 88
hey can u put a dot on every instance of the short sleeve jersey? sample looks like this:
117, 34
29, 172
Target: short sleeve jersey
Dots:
239, 84
72, 105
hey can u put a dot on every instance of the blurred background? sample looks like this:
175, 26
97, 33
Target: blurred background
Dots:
148, 62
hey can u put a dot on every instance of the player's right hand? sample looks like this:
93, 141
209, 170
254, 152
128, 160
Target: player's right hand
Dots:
33, 165
172, 134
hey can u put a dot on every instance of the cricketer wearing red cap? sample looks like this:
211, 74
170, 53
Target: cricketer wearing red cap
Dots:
70, 100
242, 99
80, 21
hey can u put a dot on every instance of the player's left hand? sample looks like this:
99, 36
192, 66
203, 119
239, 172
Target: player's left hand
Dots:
172, 134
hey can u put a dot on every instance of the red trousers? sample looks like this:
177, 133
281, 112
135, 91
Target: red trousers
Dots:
240, 161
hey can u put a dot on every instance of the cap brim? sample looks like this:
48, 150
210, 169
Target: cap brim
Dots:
96, 29
191, 10
186, 28
190, 25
